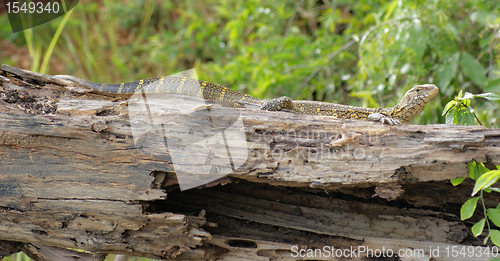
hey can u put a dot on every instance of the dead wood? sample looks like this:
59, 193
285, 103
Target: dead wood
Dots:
74, 175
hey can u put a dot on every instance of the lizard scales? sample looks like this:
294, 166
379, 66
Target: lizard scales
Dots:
410, 105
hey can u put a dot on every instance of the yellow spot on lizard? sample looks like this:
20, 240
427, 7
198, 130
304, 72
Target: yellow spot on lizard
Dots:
121, 87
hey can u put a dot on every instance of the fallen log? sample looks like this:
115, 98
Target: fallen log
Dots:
187, 180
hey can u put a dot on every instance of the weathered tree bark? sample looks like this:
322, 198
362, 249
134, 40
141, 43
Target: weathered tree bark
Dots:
79, 169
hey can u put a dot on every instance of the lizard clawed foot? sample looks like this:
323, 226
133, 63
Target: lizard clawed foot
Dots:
277, 104
378, 117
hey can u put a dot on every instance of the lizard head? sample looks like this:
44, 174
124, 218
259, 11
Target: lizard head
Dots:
414, 102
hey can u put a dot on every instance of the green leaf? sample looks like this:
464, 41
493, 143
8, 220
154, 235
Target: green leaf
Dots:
495, 236
465, 116
447, 70
473, 170
473, 69
489, 96
448, 106
486, 239
486, 180
468, 208
483, 17
457, 181
493, 86
467, 95
495, 189
419, 42
466, 102
494, 216
482, 169
452, 31
390, 9
477, 228
449, 118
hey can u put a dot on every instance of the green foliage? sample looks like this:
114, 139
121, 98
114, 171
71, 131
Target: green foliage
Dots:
485, 179
495, 236
477, 228
494, 216
459, 111
17, 257
457, 181
468, 208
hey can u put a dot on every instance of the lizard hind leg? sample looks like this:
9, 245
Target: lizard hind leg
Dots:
278, 104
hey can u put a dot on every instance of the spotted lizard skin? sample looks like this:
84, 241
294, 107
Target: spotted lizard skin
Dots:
412, 103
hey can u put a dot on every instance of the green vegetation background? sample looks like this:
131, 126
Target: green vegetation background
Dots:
364, 53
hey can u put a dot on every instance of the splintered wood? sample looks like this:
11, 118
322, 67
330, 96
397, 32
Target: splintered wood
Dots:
80, 170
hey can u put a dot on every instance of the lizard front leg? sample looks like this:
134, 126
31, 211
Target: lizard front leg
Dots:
379, 117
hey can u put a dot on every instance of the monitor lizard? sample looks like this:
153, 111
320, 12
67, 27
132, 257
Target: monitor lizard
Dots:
410, 105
